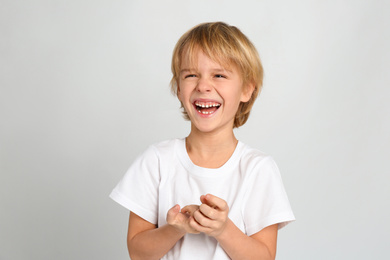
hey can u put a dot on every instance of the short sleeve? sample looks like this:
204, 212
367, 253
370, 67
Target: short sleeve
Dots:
138, 189
266, 202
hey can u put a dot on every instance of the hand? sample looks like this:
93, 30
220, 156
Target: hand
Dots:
212, 216
181, 220
190, 210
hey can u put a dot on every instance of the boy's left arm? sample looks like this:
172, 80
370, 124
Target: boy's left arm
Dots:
212, 219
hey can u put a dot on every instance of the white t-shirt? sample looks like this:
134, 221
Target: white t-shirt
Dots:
164, 176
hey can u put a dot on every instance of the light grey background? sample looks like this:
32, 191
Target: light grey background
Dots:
84, 89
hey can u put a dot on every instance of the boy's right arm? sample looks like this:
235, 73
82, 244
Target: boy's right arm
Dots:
146, 241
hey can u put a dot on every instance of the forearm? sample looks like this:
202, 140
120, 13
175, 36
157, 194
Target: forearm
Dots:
153, 244
240, 246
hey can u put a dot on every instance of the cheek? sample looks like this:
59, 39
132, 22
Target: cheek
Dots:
181, 96
235, 97
179, 93
183, 92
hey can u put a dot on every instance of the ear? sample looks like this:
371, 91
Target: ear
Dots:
247, 92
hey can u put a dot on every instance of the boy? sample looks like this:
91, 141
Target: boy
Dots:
232, 197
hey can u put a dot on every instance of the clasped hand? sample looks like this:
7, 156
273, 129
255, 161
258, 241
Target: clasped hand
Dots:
210, 217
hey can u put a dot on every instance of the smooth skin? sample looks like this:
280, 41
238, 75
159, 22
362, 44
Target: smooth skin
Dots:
210, 144
146, 241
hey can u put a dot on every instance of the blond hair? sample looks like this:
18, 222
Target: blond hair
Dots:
228, 46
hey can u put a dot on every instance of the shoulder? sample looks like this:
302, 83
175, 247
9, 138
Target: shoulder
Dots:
166, 147
162, 151
254, 157
256, 164
149, 163
154, 152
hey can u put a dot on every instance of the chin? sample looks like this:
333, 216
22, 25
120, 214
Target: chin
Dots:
207, 128
202, 127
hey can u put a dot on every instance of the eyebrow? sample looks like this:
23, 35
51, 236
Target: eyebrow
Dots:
213, 70
186, 70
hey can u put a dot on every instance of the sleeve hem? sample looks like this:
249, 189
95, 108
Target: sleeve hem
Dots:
281, 219
133, 207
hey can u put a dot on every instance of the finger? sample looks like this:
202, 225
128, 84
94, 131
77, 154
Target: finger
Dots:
175, 209
190, 209
172, 213
214, 202
203, 199
198, 227
202, 219
208, 211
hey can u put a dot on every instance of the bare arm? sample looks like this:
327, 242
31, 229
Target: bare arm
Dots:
146, 241
212, 219
261, 245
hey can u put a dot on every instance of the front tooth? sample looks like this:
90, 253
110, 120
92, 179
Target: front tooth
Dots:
207, 105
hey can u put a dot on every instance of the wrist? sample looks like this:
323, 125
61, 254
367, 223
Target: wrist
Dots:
176, 230
225, 232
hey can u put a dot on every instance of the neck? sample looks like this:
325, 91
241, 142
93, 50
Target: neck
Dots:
210, 150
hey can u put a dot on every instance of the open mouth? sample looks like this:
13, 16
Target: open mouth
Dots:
206, 108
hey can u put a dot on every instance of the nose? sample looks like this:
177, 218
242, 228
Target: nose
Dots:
204, 85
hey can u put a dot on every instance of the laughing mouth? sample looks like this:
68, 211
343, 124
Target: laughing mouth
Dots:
206, 108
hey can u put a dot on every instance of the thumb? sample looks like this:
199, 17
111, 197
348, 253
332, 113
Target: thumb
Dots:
203, 199
174, 210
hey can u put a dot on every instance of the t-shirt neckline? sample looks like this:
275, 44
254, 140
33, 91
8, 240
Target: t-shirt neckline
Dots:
208, 172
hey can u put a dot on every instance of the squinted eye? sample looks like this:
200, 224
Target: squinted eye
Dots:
190, 76
220, 76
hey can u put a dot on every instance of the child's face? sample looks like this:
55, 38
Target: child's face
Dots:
210, 93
